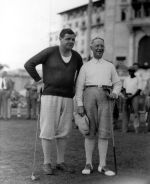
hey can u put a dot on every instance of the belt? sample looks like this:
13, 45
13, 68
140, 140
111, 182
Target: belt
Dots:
98, 86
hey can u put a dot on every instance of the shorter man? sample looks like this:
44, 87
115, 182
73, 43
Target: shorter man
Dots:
95, 79
132, 88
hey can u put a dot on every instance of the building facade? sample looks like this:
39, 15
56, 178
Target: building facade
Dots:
124, 25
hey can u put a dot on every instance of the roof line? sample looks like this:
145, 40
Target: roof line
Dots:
80, 7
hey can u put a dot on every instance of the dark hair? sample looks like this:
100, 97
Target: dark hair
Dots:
66, 31
135, 64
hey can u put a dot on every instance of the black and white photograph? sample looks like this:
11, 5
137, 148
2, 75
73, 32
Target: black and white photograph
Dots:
75, 91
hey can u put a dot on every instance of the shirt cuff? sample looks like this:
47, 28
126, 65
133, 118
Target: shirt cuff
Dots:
79, 103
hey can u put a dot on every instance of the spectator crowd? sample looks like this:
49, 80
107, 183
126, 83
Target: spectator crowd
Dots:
14, 103
133, 103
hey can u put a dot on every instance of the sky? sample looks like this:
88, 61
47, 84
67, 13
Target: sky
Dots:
25, 27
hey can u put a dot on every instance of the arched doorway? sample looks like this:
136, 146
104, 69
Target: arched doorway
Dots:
144, 50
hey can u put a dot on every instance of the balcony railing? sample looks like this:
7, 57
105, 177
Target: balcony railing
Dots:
139, 17
145, 21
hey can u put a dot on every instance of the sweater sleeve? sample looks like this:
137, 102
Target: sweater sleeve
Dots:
31, 64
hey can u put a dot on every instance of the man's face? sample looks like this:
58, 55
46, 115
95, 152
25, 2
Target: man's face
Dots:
98, 48
68, 41
131, 72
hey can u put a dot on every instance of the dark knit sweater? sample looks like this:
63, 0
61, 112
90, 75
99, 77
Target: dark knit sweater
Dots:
58, 76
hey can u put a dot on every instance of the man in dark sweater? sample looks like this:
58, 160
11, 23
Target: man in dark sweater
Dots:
60, 65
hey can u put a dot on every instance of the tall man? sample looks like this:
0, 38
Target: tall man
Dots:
95, 76
60, 65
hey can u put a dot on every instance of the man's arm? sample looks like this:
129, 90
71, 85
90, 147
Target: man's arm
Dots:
79, 91
31, 64
117, 85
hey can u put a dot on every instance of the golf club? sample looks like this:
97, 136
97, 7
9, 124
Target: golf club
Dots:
112, 104
113, 137
33, 177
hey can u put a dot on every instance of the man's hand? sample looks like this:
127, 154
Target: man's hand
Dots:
112, 96
80, 110
40, 85
40, 82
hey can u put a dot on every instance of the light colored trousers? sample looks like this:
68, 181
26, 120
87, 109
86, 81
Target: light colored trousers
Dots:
55, 117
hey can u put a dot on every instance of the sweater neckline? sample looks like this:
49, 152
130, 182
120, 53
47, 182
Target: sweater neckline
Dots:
66, 64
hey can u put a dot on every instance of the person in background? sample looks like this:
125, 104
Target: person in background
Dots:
132, 88
34, 99
15, 102
20, 105
7, 86
31, 99
60, 65
28, 102
95, 99
147, 103
143, 73
1, 96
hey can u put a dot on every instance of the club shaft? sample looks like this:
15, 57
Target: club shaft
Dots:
115, 160
36, 137
113, 137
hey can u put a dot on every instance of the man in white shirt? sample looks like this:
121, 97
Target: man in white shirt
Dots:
94, 100
144, 74
6, 86
132, 86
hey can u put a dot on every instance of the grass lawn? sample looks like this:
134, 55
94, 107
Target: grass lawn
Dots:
16, 155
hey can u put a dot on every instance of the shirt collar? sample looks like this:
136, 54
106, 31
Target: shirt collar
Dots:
94, 60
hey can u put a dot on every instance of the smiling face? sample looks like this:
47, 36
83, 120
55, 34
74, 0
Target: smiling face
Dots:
68, 41
97, 46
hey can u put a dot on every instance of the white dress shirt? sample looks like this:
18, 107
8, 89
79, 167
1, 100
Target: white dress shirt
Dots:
3, 86
97, 72
132, 84
143, 75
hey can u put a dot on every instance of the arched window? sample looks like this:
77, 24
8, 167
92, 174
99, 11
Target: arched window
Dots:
123, 15
98, 20
143, 50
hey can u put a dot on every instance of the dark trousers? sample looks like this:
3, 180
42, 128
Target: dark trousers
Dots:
128, 108
31, 108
